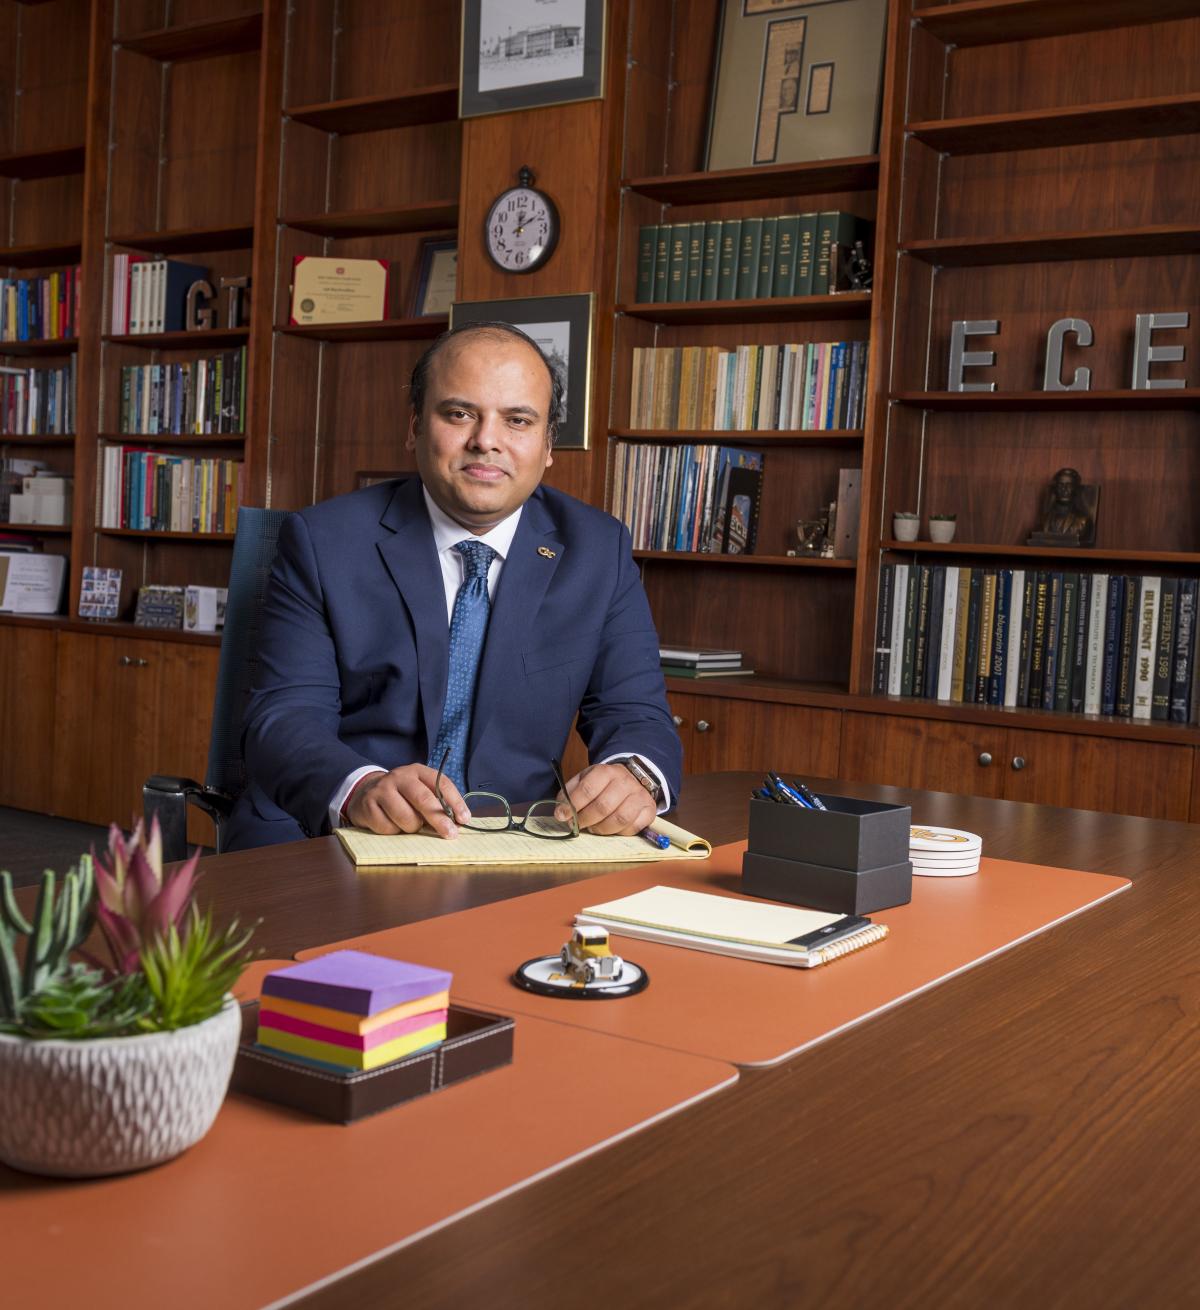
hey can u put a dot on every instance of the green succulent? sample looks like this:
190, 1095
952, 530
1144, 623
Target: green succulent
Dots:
80, 1002
60, 925
188, 974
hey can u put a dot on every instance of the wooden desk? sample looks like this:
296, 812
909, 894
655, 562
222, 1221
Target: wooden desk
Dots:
1025, 1134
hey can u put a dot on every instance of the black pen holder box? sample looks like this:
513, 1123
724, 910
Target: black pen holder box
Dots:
850, 858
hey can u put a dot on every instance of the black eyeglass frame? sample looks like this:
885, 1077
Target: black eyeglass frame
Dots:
513, 824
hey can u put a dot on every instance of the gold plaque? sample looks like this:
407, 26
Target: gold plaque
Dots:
338, 290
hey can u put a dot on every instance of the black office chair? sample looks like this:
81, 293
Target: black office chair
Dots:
167, 797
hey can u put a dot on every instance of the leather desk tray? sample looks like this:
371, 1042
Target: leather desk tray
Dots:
476, 1041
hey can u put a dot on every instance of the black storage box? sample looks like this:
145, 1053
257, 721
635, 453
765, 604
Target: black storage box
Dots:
850, 858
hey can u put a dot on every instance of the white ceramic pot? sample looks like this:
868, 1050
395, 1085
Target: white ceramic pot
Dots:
942, 530
79, 1109
905, 529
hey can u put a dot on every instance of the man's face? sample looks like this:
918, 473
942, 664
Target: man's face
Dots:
481, 443
1064, 490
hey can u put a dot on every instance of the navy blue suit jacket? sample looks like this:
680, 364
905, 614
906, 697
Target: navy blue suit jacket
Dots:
354, 650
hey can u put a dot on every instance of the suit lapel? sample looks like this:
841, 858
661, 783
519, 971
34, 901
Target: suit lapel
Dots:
412, 561
523, 583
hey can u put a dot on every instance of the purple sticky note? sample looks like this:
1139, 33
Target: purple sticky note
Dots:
355, 982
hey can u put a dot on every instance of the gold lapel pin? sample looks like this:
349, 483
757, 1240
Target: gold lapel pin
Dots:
545, 552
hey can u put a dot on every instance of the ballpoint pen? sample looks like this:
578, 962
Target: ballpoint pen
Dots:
811, 797
796, 797
659, 839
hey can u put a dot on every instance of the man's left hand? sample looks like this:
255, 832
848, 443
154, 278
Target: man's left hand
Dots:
609, 800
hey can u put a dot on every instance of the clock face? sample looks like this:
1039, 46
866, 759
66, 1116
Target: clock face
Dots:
522, 230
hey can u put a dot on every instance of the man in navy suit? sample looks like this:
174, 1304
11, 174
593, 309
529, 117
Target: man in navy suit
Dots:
389, 634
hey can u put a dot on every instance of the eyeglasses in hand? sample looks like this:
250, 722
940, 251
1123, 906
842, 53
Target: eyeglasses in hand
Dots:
490, 812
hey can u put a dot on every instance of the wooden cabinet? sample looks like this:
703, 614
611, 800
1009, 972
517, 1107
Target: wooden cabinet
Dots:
721, 733
128, 707
1017, 764
27, 696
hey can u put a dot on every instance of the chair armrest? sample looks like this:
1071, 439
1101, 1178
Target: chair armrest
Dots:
168, 798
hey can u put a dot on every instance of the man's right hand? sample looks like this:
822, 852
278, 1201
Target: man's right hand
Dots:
403, 800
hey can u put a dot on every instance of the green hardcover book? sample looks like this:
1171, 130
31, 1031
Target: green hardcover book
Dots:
710, 259
647, 241
747, 278
806, 244
730, 254
786, 234
1066, 642
662, 260
695, 260
678, 262
766, 258
833, 228
910, 634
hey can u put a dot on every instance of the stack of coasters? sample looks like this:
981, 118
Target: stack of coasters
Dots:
350, 1011
944, 852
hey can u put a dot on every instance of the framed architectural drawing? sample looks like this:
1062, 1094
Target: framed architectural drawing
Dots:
796, 80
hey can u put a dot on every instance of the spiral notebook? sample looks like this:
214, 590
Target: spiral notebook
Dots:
727, 925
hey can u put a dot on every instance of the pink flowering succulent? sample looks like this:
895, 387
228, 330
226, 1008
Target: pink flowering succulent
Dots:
136, 904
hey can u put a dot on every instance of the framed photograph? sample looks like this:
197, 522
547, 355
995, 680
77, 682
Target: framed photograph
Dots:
797, 80
437, 278
562, 327
519, 54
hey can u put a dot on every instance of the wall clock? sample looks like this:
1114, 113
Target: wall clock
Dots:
522, 227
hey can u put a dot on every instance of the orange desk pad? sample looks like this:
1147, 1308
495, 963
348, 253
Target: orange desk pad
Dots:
273, 1203
747, 1013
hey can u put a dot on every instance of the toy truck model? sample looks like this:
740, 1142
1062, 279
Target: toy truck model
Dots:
586, 957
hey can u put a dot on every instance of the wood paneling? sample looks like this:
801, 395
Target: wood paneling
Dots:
27, 700
943, 756
729, 734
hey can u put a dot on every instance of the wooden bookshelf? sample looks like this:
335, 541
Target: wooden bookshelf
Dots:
379, 113
741, 437
189, 240
769, 181
198, 40
745, 561
430, 216
171, 439
781, 309
214, 338
1079, 557
1052, 247
156, 534
987, 22
38, 529
29, 165
39, 256
1001, 402
41, 346
393, 329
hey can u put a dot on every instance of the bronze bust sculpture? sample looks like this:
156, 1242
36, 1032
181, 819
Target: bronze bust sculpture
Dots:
1069, 513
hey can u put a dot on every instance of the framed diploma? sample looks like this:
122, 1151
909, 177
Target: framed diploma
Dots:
797, 80
437, 278
338, 290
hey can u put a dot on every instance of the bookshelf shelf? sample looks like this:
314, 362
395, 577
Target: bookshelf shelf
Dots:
172, 439
203, 40
1050, 247
39, 256
767, 182
430, 104
740, 437
761, 561
44, 346
181, 340
146, 534
784, 309
53, 439
1081, 556
426, 216
1113, 120
988, 22
391, 329
39, 529
32, 164
982, 402
186, 240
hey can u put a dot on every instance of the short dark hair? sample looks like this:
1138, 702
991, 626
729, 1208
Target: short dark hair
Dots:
420, 373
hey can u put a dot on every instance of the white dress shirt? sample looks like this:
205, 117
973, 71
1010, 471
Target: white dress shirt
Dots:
446, 535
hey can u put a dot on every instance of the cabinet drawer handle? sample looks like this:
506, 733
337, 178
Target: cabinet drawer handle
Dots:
702, 725
133, 662
985, 758
678, 720
1018, 762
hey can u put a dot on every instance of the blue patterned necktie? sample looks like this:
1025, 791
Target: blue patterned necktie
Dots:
468, 627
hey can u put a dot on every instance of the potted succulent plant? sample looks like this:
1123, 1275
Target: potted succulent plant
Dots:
942, 526
905, 525
115, 1065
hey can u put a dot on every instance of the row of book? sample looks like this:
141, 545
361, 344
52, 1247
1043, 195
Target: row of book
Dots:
38, 402
702, 662
154, 492
150, 295
40, 308
815, 385
689, 498
1091, 643
198, 396
743, 258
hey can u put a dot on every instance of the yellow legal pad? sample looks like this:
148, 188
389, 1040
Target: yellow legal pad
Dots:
311, 1049
515, 847
359, 1024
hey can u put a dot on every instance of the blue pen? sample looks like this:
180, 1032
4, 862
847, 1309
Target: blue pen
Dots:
796, 797
658, 839
777, 793
813, 799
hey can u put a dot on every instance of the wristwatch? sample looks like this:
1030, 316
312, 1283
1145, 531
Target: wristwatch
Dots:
637, 766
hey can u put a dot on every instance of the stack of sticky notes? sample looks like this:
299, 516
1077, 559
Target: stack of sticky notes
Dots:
350, 1010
